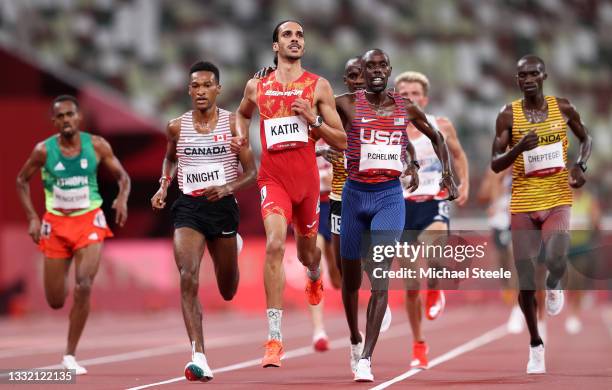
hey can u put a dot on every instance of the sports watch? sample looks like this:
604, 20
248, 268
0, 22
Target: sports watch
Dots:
318, 122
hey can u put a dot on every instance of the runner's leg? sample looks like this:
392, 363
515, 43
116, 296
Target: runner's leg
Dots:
189, 246
224, 253
87, 262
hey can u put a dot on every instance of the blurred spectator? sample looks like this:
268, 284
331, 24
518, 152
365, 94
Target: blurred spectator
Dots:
469, 49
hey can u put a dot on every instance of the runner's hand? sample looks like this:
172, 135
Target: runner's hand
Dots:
329, 154
121, 211
236, 144
34, 229
576, 177
263, 72
413, 172
448, 182
463, 195
215, 193
529, 141
158, 201
302, 108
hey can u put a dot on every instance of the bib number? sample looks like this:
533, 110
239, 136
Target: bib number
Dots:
544, 160
285, 133
198, 178
376, 158
71, 199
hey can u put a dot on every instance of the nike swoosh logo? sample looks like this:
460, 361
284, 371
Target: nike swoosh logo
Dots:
311, 225
266, 205
366, 120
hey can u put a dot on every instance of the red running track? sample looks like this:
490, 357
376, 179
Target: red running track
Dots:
469, 349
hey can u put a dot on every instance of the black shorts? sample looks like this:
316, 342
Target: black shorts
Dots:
335, 215
212, 219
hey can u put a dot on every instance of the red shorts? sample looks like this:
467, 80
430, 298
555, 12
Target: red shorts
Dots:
532, 229
300, 205
62, 235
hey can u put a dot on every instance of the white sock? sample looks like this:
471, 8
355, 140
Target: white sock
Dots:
199, 357
314, 275
274, 324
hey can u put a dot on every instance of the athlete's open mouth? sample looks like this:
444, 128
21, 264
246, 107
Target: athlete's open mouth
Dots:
377, 80
201, 100
530, 87
294, 46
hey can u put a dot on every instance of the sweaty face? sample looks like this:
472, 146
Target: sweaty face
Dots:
530, 77
203, 89
290, 41
66, 118
414, 91
353, 76
377, 70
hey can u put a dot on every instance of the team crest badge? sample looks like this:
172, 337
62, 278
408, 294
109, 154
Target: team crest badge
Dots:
83, 163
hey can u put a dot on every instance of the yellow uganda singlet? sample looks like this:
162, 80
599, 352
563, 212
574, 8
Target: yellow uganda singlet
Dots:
339, 176
539, 176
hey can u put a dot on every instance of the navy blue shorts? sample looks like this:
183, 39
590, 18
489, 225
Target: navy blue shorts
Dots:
419, 215
370, 207
324, 228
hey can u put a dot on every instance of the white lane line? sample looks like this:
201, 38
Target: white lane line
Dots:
217, 342
471, 345
38, 345
396, 331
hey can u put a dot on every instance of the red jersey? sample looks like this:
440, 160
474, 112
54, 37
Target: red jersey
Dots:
288, 176
376, 144
287, 149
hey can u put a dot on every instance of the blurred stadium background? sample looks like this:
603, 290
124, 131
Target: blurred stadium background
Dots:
127, 61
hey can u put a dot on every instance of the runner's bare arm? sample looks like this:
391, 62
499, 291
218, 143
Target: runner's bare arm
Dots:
412, 169
173, 131
342, 106
419, 120
459, 158
111, 162
331, 130
577, 178
487, 190
35, 162
245, 111
247, 161
502, 155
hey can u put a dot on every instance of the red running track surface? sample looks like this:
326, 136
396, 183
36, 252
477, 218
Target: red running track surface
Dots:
469, 349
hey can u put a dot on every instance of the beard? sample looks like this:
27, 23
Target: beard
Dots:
68, 134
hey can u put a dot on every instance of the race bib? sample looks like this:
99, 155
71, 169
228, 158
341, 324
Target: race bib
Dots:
380, 157
429, 185
288, 132
72, 199
198, 178
544, 160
